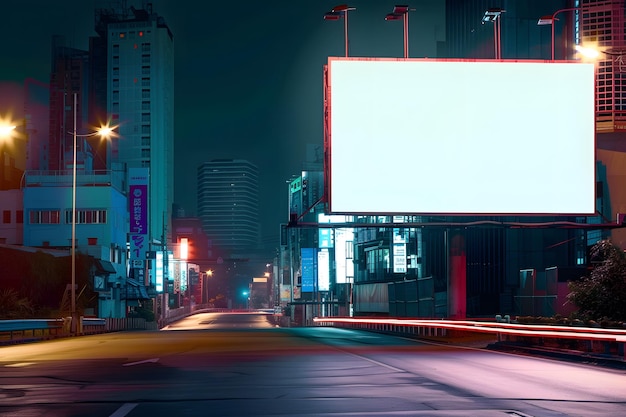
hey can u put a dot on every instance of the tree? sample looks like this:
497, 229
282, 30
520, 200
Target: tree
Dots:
12, 306
602, 294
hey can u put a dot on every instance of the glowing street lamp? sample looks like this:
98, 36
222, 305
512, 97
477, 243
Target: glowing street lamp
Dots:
402, 12
551, 20
104, 132
337, 13
493, 15
588, 53
7, 132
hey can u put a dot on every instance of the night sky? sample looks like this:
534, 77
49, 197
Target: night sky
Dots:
248, 74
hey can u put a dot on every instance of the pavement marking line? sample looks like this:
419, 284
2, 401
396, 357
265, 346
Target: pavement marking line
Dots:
153, 360
393, 368
124, 410
19, 364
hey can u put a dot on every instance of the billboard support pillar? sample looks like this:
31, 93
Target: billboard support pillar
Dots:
457, 279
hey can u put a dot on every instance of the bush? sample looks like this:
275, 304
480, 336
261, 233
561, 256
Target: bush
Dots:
602, 294
12, 306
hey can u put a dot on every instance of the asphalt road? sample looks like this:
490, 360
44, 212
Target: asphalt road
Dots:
240, 365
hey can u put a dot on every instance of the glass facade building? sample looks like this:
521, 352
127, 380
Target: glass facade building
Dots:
228, 204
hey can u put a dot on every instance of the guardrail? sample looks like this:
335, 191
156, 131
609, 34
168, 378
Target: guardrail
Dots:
30, 329
585, 340
25, 330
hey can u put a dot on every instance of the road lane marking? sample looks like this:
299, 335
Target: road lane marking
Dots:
19, 364
124, 410
393, 368
153, 360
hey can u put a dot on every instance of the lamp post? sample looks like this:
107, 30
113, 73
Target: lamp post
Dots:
551, 20
402, 12
104, 132
7, 129
337, 13
6, 132
208, 274
493, 15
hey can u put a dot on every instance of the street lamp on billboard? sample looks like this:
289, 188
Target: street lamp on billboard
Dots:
402, 13
337, 13
493, 15
551, 20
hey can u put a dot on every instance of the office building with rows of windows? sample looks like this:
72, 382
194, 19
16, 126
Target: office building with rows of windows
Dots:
228, 204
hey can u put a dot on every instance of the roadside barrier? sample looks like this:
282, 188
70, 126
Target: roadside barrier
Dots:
32, 330
610, 343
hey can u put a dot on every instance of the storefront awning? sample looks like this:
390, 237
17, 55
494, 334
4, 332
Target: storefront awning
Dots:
135, 291
104, 267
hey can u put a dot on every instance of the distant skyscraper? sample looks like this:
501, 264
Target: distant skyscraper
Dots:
228, 204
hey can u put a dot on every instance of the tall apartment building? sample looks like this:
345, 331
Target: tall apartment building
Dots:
602, 24
127, 78
228, 204
139, 50
68, 77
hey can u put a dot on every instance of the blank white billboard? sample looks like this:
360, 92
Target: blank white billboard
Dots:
461, 137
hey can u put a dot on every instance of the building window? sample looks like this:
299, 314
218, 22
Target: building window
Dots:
145, 118
6, 216
145, 153
145, 164
44, 217
19, 217
145, 141
87, 216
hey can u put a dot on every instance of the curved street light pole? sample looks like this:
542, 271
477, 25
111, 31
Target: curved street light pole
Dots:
494, 15
335, 14
73, 287
551, 20
104, 131
402, 12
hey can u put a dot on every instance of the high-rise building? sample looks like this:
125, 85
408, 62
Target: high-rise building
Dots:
228, 204
68, 78
140, 99
602, 25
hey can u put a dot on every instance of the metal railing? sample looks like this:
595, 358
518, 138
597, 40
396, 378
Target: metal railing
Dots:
26, 330
610, 343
